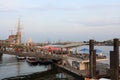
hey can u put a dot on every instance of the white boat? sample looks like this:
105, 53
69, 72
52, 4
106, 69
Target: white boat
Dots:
19, 57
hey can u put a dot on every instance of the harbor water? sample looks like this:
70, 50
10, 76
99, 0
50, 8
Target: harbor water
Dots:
10, 67
105, 50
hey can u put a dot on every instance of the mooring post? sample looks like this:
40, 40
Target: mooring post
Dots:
94, 64
112, 65
116, 56
92, 60
114, 61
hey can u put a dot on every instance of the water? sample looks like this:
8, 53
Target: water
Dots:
10, 67
105, 49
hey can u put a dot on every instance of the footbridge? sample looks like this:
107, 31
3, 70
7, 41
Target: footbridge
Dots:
25, 50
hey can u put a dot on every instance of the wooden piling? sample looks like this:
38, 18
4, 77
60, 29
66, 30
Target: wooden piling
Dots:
94, 64
92, 59
112, 65
114, 61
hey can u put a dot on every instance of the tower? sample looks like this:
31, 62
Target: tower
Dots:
18, 34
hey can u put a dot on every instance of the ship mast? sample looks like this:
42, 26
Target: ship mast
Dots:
18, 33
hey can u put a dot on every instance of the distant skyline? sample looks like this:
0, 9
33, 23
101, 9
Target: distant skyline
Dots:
61, 20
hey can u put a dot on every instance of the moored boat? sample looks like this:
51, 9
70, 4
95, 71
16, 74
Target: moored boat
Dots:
45, 61
19, 57
32, 60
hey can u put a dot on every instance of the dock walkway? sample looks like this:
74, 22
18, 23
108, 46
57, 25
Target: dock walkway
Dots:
85, 73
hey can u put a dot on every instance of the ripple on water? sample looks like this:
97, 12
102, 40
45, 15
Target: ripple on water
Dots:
10, 67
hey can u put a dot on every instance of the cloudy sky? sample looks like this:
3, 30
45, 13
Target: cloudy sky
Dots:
64, 20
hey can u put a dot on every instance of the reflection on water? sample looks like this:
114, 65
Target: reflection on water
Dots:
18, 68
0, 59
61, 76
9, 67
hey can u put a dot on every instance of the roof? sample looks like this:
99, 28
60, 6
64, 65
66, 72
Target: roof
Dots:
71, 45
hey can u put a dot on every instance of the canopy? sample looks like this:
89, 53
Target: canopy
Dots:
85, 50
51, 48
98, 51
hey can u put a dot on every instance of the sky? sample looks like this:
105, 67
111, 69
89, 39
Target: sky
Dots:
61, 20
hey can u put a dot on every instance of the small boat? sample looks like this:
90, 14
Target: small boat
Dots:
32, 60
20, 57
45, 61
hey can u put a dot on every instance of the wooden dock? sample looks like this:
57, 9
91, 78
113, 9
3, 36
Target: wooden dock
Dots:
83, 73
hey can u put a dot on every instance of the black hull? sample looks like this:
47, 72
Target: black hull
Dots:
32, 61
45, 62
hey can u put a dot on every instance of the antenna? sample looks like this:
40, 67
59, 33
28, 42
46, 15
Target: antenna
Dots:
18, 29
